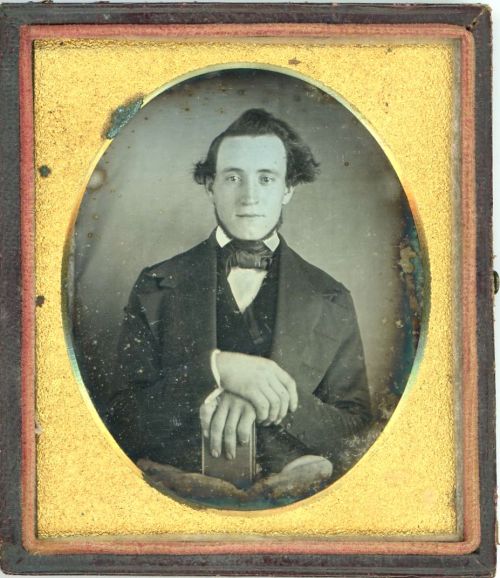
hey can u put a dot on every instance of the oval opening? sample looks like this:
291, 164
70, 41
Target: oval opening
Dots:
360, 265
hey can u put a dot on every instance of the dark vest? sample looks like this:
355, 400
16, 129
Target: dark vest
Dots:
250, 332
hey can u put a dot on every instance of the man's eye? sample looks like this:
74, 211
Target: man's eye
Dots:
233, 178
266, 179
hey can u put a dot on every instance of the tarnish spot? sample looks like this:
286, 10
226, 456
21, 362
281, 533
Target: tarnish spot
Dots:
38, 427
406, 254
122, 116
293, 61
97, 179
44, 171
40, 300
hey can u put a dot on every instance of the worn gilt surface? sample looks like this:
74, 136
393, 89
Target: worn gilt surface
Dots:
405, 485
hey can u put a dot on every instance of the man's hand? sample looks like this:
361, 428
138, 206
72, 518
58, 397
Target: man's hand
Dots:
262, 382
228, 419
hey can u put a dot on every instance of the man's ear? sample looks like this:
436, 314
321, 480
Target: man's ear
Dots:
209, 183
288, 195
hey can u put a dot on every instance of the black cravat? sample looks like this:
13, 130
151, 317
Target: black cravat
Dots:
247, 255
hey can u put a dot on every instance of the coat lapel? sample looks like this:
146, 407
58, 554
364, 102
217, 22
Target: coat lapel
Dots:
307, 324
187, 291
197, 308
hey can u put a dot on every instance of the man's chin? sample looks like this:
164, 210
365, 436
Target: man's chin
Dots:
242, 231
251, 233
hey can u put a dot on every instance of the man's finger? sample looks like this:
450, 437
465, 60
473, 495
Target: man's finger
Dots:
245, 425
283, 395
260, 404
290, 385
207, 410
230, 430
217, 428
274, 401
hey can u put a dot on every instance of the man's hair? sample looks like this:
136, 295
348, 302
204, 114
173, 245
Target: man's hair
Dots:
301, 166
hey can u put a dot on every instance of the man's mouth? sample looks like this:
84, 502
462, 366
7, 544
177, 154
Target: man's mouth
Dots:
249, 215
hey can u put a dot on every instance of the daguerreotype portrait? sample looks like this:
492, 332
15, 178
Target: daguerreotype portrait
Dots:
246, 298
236, 375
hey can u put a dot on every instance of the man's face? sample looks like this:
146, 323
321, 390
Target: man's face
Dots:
249, 188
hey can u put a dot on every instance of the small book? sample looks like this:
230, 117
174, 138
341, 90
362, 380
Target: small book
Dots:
239, 471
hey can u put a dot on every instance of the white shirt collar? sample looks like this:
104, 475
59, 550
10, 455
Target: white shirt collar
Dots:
271, 242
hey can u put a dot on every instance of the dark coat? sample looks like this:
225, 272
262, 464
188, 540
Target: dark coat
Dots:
169, 333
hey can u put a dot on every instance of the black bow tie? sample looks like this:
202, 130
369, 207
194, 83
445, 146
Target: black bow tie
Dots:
247, 255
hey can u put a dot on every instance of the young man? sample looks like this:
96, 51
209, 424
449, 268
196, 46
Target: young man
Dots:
240, 329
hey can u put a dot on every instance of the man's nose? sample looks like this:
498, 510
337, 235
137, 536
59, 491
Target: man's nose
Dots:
250, 192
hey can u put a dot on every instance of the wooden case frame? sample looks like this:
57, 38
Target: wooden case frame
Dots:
18, 27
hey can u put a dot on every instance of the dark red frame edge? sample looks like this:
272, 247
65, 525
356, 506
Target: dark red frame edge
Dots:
238, 546
15, 559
